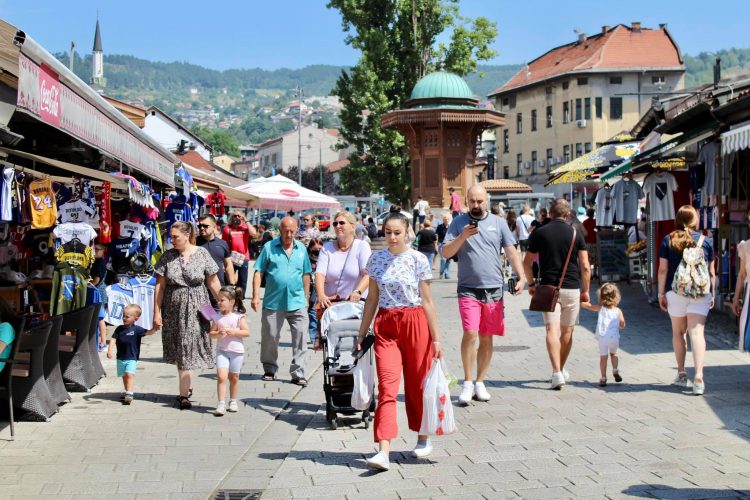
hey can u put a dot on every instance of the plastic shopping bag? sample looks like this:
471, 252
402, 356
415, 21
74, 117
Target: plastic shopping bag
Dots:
437, 409
364, 384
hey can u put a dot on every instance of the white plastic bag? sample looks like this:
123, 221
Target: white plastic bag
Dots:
437, 409
364, 384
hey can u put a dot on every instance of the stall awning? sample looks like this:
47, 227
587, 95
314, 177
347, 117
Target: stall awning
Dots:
85, 172
204, 177
620, 169
735, 140
584, 167
51, 93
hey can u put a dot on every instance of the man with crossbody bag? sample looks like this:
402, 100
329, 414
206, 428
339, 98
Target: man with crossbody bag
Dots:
565, 273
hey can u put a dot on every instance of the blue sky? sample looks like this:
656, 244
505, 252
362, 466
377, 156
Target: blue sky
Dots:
295, 33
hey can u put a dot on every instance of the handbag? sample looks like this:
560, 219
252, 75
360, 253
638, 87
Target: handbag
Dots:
237, 258
545, 296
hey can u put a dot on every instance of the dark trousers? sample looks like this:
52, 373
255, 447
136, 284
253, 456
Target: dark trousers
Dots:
242, 273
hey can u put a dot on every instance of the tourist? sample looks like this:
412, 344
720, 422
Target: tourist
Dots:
230, 330
688, 315
238, 234
313, 252
340, 274
608, 325
523, 228
127, 342
455, 202
284, 264
441, 230
184, 276
7, 331
553, 242
478, 237
406, 333
427, 242
218, 248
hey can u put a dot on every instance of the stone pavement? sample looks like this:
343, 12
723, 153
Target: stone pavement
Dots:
641, 438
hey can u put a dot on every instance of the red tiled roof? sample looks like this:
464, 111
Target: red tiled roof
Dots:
337, 165
195, 160
619, 48
505, 186
333, 132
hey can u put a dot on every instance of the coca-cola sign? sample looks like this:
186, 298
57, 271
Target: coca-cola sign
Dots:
289, 192
50, 109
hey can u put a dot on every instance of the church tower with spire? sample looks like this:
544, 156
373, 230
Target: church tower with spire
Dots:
98, 82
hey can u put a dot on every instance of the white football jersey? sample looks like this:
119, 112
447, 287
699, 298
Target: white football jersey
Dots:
6, 196
70, 230
143, 296
118, 298
75, 211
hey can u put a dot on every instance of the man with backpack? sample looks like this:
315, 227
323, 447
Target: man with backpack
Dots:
687, 280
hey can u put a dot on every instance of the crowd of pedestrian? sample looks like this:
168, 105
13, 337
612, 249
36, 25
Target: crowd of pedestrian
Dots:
302, 274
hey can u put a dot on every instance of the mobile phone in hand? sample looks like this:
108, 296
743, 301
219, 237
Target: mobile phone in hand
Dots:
473, 222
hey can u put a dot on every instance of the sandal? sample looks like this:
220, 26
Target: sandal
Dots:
301, 381
190, 393
618, 377
184, 402
603, 382
268, 377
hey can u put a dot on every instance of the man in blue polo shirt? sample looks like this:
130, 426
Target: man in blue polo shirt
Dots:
286, 267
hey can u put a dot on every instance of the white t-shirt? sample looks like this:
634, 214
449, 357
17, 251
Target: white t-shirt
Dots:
523, 224
71, 230
143, 297
605, 207
75, 211
117, 299
422, 206
398, 277
130, 229
6, 196
608, 322
660, 188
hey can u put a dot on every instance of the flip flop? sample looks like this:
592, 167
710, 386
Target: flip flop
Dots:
268, 377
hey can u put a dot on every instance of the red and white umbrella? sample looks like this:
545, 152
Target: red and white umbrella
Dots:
281, 193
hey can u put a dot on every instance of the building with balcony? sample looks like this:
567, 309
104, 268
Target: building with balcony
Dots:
568, 101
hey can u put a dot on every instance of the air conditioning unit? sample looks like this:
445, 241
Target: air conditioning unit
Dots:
581, 123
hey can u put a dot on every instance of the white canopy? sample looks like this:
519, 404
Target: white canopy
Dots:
281, 193
735, 139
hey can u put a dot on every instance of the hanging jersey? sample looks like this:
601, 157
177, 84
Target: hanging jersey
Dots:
121, 250
42, 204
143, 297
6, 194
68, 288
118, 298
130, 229
76, 211
71, 230
215, 202
8, 253
177, 212
75, 253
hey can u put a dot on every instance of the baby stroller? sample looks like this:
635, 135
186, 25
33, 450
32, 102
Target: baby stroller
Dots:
340, 329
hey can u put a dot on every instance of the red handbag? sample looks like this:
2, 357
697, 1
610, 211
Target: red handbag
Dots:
545, 296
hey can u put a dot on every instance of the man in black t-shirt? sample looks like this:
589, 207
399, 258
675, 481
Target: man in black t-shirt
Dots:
218, 249
552, 242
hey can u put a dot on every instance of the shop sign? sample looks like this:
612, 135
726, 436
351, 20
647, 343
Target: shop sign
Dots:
289, 192
42, 93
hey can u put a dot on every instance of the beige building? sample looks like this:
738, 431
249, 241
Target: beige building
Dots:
571, 99
318, 147
224, 162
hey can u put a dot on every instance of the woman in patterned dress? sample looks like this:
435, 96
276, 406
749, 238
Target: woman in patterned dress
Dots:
185, 274
406, 334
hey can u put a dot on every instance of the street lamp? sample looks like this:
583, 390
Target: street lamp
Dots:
298, 95
320, 158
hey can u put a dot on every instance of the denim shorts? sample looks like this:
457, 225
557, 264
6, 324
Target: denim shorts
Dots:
126, 366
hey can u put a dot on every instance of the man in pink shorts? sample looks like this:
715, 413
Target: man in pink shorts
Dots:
478, 237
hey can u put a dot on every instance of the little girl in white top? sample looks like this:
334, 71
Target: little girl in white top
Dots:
608, 326
230, 329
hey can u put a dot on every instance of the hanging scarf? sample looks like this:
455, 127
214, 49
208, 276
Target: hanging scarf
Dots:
105, 215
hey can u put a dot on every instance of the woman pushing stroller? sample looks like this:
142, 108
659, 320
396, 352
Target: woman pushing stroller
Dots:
406, 334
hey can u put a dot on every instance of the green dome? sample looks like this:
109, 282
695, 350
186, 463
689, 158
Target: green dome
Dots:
441, 84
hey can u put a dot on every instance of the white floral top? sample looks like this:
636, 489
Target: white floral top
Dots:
398, 277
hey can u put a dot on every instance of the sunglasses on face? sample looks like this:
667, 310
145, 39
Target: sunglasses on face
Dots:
338, 223
203, 226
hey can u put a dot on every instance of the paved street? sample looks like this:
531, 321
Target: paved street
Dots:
641, 438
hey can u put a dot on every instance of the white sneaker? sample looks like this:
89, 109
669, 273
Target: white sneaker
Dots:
681, 380
233, 406
480, 392
221, 409
466, 393
566, 375
558, 381
422, 450
379, 461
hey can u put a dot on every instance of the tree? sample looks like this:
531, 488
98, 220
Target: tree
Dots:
311, 179
221, 141
398, 44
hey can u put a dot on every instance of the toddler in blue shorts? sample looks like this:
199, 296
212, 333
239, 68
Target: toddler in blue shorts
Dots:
127, 341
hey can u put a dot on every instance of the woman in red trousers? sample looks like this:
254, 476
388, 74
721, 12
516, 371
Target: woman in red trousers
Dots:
406, 334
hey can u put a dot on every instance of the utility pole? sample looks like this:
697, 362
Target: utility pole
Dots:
320, 162
72, 55
298, 94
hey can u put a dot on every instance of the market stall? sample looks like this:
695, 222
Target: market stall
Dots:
281, 194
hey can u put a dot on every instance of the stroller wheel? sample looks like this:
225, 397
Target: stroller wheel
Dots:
334, 424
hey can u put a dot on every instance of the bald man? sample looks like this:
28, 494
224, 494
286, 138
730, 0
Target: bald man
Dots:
286, 266
478, 237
